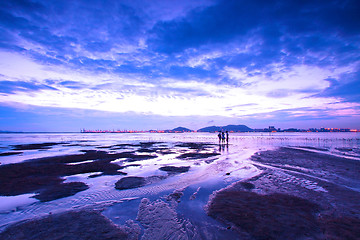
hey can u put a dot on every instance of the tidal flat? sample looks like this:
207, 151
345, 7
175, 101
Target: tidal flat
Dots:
180, 186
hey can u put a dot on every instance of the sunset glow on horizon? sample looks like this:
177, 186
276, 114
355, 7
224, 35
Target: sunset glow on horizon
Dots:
142, 64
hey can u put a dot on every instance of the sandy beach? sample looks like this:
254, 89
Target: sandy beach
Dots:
171, 189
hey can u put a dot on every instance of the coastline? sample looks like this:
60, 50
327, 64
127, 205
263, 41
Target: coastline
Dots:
175, 177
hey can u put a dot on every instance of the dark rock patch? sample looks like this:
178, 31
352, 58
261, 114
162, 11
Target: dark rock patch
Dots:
130, 182
106, 167
95, 155
75, 158
134, 157
196, 155
73, 225
326, 180
147, 150
16, 183
34, 146
104, 147
274, 216
60, 191
172, 169
125, 145
79, 145
134, 182
38, 174
194, 145
9, 153
132, 165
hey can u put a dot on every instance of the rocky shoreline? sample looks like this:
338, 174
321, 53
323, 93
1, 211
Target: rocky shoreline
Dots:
300, 194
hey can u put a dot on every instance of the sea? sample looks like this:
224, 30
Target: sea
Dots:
204, 177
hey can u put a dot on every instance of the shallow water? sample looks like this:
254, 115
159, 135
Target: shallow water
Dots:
205, 175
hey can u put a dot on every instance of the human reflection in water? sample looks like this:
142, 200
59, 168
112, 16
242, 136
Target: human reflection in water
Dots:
221, 147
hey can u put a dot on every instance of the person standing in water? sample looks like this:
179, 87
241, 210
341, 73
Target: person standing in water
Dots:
227, 137
219, 136
223, 137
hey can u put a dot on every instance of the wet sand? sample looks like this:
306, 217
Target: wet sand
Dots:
298, 193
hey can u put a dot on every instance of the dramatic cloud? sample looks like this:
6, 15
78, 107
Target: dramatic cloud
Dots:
257, 60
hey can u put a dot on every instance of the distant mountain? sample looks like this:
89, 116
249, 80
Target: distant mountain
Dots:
234, 128
237, 128
182, 129
209, 129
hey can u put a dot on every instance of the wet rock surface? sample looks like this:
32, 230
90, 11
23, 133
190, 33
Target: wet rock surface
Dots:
273, 216
135, 182
57, 191
299, 195
71, 226
195, 145
34, 146
172, 169
196, 155
130, 182
37, 175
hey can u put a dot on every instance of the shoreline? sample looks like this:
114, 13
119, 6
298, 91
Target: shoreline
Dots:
192, 171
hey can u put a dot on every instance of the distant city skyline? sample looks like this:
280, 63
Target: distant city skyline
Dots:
230, 128
135, 64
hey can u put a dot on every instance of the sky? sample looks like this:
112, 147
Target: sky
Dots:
140, 65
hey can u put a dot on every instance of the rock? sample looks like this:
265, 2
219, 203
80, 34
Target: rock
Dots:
196, 155
130, 182
72, 225
60, 191
173, 169
273, 216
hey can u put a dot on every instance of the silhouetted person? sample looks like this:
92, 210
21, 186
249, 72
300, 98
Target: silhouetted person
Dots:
227, 137
223, 137
219, 136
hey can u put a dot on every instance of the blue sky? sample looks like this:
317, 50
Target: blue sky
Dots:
131, 64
